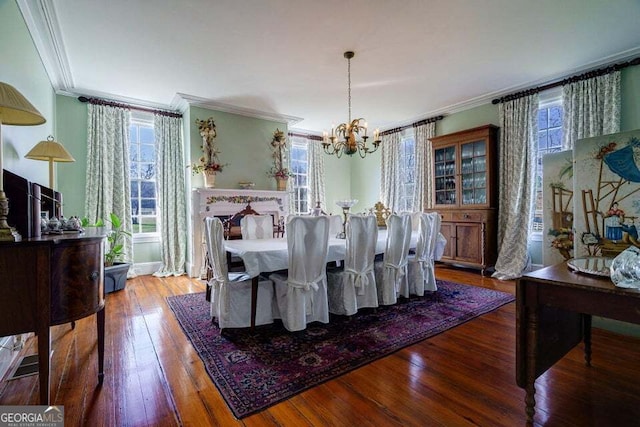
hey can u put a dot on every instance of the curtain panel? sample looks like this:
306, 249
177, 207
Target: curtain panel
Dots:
591, 108
108, 188
390, 171
424, 167
315, 157
170, 180
519, 131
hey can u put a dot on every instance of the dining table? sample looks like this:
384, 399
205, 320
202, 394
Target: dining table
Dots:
269, 255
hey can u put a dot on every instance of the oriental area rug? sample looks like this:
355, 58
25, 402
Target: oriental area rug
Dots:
254, 370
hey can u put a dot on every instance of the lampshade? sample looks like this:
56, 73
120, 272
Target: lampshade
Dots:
16, 110
50, 150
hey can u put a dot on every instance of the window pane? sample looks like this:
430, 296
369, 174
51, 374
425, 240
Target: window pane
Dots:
555, 138
147, 170
134, 188
133, 170
555, 116
148, 206
133, 134
147, 153
542, 140
146, 135
148, 189
543, 115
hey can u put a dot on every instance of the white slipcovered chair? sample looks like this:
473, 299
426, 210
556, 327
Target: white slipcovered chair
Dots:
418, 265
354, 286
391, 273
256, 227
231, 292
301, 294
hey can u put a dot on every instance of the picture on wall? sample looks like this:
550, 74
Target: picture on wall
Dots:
606, 184
557, 202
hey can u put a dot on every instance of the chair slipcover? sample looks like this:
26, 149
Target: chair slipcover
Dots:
354, 286
231, 292
422, 267
257, 227
301, 295
391, 273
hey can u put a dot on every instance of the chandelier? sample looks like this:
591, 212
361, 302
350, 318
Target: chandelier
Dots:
349, 137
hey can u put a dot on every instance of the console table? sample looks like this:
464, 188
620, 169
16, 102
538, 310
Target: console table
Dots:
553, 314
51, 280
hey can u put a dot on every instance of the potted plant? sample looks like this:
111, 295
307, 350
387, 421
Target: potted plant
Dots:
279, 171
115, 270
209, 164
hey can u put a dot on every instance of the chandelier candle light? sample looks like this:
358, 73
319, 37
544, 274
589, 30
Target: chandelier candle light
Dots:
347, 138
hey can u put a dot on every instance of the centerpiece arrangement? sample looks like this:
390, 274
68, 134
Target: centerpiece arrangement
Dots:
209, 163
279, 170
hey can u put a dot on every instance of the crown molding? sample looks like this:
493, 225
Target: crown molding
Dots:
42, 23
182, 102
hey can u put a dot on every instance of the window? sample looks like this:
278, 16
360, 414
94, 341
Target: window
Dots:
549, 141
300, 170
142, 176
407, 177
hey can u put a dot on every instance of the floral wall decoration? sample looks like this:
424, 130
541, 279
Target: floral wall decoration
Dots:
280, 169
607, 188
209, 162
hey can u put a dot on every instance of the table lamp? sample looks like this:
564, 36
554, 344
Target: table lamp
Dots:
51, 151
14, 110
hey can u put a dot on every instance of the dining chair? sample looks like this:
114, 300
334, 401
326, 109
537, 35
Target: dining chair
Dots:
391, 273
231, 292
256, 227
354, 286
301, 293
418, 264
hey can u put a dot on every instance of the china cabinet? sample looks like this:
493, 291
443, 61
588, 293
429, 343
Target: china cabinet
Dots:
465, 195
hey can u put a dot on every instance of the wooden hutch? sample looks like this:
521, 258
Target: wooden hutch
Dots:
465, 179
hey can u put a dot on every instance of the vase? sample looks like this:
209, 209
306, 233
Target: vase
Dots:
281, 184
209, 179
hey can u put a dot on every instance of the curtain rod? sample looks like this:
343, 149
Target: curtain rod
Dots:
302, 135
415, 125
98, 101
573, 79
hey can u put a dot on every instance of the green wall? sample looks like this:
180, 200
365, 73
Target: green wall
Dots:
630, 103
22, 68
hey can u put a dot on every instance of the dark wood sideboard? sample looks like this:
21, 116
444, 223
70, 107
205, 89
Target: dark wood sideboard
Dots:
52, 280
553, 314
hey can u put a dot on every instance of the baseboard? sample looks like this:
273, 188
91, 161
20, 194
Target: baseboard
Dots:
143, 268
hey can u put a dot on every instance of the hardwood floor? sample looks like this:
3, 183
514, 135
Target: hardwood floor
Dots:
462, 377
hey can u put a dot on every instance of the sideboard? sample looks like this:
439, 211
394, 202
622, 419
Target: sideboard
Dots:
206, 202
51, 280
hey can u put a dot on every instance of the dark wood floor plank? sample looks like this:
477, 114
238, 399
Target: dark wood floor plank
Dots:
462, 377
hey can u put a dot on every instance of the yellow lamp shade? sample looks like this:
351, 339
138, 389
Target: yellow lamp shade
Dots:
15, 109
50, 150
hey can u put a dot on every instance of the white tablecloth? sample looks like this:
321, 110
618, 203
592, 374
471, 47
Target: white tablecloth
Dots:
267, 255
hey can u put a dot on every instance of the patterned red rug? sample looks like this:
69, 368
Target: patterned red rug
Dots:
256, 370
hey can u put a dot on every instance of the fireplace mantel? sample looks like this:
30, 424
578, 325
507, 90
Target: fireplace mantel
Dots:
207, 202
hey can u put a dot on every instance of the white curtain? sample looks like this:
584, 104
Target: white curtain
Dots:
170, 180
389, 194
108, 188
424, 170
591, 108
518, 133
316, 174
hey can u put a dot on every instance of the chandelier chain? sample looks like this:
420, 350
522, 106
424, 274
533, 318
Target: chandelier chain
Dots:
349, 85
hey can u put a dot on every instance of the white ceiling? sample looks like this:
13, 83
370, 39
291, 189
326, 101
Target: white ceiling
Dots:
284, 58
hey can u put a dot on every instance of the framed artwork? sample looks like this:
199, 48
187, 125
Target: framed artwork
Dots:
606, 184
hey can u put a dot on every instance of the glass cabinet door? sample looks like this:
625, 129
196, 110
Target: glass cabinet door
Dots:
473, 172
445, 175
